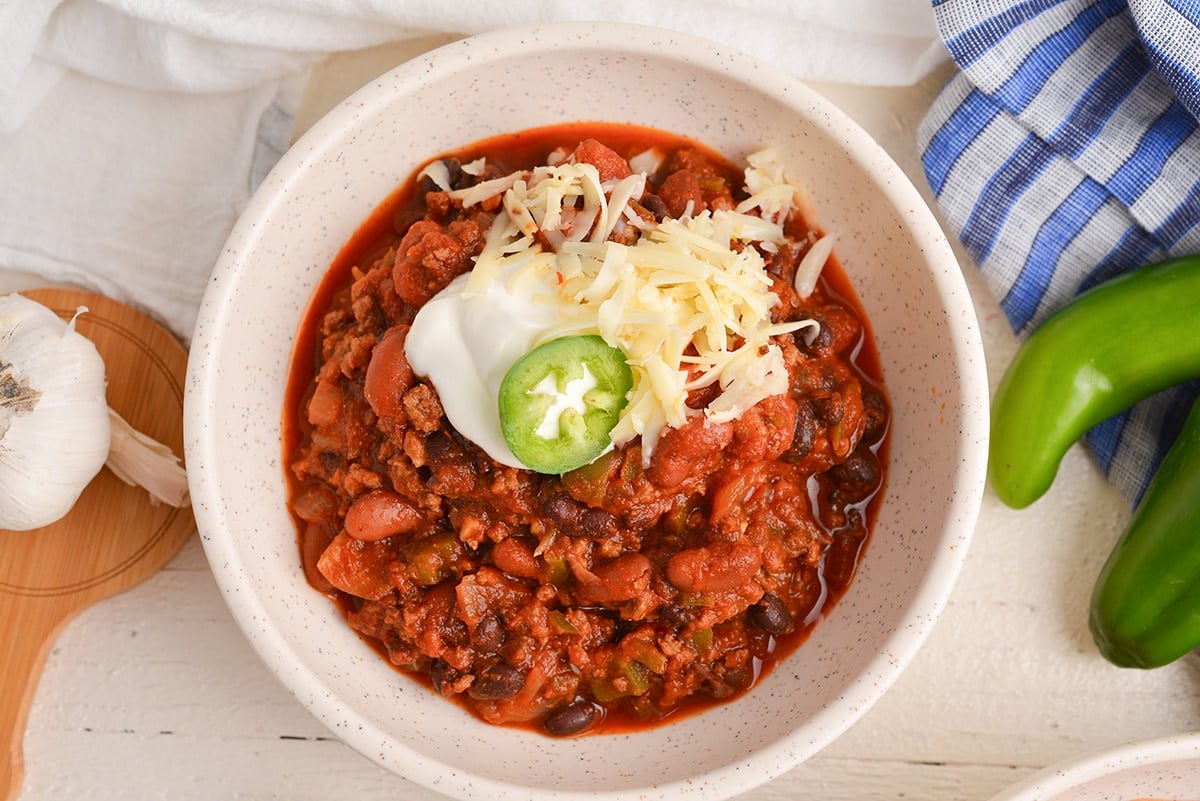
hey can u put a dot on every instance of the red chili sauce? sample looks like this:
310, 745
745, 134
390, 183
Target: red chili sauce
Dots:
613, 596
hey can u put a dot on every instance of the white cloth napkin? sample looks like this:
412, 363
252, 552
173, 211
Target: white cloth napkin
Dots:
133, 131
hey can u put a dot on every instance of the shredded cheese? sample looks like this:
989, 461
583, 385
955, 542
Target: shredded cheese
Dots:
689, 302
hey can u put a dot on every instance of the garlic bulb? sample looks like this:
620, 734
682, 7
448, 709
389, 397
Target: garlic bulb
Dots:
54, 427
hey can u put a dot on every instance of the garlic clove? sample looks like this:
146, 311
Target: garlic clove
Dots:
141, 461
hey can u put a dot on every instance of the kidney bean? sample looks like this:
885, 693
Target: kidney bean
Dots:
314, 539
626, 576
622, 579
681, 194
327, 403
714, 568
679, 448
575, 717
314, 503
514, 556
389, 374
380, 513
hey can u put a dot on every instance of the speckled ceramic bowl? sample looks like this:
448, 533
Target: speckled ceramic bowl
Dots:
1163, 769
349, 162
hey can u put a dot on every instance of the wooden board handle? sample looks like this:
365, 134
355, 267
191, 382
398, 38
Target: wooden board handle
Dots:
37, 620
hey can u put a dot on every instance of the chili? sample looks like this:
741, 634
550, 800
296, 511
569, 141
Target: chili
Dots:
623, 591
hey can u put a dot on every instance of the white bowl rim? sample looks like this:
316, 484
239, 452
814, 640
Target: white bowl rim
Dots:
862, 691
1069, 774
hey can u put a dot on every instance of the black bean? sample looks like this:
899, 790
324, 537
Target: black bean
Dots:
489, 634
330, 461
458, 178
876, 413
675, 614
442, 675
561, 508
573, 718
656, 206
782, 263
729, 681
739, 678
771, 615
405, 216
499, 682
438, 446
829, 410
621, 626
808, 340
806, 432
861, 470
815, 381
597, 524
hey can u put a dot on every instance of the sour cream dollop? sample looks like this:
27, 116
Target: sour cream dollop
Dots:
465, 343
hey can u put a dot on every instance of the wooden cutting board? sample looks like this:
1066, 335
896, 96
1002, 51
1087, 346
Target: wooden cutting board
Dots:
113, 538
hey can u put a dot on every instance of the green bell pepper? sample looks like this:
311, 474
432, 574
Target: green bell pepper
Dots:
1145, 609
1110, 347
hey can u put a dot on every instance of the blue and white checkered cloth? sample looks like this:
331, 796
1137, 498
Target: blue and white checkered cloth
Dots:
1067, 150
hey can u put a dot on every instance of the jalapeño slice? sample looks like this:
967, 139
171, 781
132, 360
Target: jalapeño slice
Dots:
560, 401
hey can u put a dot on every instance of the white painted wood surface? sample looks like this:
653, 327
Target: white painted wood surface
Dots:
155, 694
